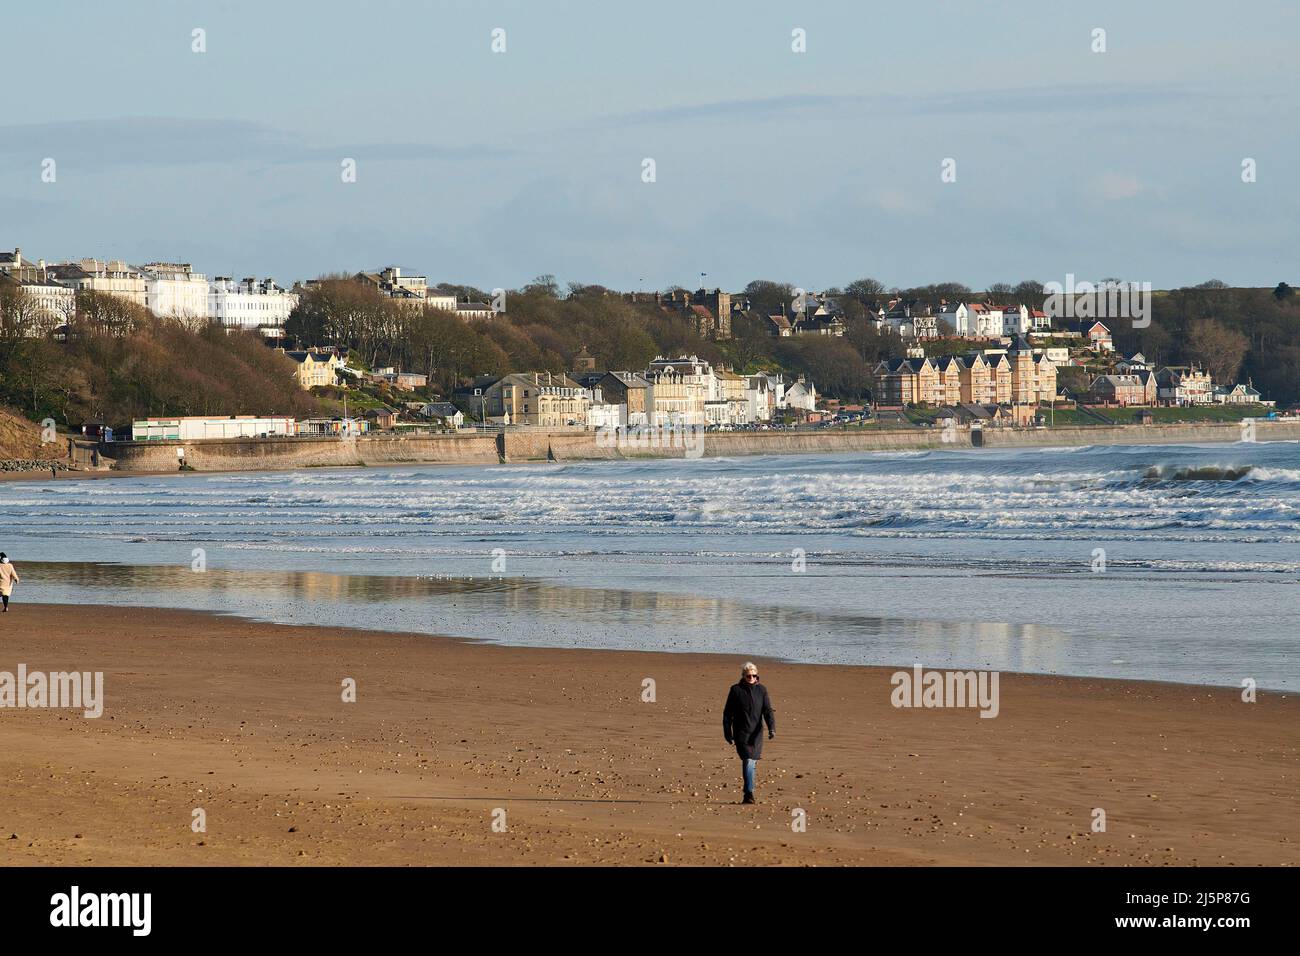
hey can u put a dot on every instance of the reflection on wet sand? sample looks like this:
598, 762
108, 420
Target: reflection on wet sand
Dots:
529, 611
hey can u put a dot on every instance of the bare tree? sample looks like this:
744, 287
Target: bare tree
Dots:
1217, 348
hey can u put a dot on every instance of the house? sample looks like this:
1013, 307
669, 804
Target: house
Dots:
382, 418
628, 389
600, 413
1016, 320
776, 388
199, 427
999, 375
546, 399
444, 411
709, 312
779, 326
965, 413
1033, 377
976, 381
731, 406
1058, 355
471, 311
1135, 362
760, 398
819, 324
910, 381
174, 290
1094, 331
41, 305
104, 277
801, 396
820, 315
956, 315
950, 369
681, 386
605, 416
984, 322
1122, 389
910, 319
472, 398
408, 290
1150, 390
1236, 395
250, 305
1184, 385
11, 262
47, 301
402, 381
315, 367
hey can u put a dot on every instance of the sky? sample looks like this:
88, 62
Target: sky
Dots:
814, 168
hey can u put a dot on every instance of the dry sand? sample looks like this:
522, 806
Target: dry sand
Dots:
247, 722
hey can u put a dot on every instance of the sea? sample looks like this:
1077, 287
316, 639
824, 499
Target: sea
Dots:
1167, 563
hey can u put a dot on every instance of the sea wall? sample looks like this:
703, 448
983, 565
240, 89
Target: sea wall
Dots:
586, 446
1173, 434
268, 454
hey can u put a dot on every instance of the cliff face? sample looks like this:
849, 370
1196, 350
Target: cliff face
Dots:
21, 439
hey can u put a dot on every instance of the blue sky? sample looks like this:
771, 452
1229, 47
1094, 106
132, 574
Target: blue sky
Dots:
814, 168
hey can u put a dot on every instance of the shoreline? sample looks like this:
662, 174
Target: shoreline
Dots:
245, 721
779, 661
230, 456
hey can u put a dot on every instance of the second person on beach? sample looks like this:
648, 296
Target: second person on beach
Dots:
8, 578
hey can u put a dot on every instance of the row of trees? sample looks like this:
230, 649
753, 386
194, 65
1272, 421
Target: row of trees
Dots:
1230, 332
118, 362
1233, 333
546, 327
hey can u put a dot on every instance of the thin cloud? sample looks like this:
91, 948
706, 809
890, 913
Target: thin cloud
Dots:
144, 141
1053, 99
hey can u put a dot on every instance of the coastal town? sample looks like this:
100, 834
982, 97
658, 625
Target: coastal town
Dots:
969, 364
585, 440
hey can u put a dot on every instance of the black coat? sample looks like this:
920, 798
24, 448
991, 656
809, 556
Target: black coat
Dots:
742, 719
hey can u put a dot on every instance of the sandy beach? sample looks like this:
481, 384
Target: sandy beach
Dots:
246, 721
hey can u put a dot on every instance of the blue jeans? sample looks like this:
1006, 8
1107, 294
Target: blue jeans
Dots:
750, 766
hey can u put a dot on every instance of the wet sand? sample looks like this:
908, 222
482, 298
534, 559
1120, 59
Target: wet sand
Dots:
246, 721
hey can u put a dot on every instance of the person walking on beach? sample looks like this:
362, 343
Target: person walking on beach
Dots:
748, 706
8, 578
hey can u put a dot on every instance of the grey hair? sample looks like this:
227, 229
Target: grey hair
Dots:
749, 666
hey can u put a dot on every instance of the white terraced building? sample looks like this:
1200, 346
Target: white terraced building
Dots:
108, 277
174, 290
250, 305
